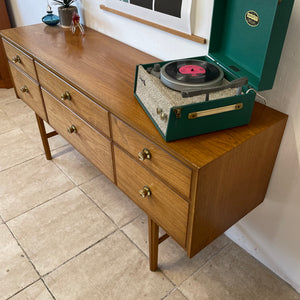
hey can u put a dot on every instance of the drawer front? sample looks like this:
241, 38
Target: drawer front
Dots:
162, 163
89, 142
29, 91
164, 206
91, 112
20, 59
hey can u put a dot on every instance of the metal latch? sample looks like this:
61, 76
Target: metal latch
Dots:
177, 112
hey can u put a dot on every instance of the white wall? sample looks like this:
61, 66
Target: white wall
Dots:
270, 232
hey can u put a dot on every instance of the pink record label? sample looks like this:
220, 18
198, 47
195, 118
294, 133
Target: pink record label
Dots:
193, 70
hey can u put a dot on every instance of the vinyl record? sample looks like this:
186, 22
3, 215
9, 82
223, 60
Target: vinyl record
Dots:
190, 74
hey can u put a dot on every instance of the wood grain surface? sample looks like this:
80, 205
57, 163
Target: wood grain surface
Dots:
90, 111
163, 206
161, 163
233, 185
94, 146
26, 63
109, 71
33, 97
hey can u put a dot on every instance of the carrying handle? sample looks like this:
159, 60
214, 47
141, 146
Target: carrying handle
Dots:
237, 83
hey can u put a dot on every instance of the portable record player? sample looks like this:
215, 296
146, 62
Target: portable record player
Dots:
198, 95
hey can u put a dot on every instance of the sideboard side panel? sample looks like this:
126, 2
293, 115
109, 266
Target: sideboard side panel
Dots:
231, 186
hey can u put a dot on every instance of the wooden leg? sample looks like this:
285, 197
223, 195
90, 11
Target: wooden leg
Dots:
44, 137
153, 244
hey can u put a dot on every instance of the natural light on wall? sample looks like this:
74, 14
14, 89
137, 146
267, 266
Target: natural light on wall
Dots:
175, 14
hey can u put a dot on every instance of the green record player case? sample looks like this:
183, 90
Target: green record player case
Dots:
246, 41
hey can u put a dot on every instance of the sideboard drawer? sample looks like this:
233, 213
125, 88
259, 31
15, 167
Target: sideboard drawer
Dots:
89, 142
29, 91
20, 59
90, 111
161, 162
164, 206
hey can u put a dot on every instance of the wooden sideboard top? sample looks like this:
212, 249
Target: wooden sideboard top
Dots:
104, 69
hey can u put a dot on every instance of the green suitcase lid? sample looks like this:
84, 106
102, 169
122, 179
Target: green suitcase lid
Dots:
247, 38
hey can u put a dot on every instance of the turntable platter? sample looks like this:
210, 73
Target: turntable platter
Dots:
190, 74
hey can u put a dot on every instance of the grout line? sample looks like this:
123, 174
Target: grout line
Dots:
119, 227
173, 291
24, 161
121, 230
24, 288
28, 258
124, 225
8, 130
46, 286
81, 183
209, 259
51, 149
207, 262
136, 245
96, 204
158, 268
65, 172
23, 250
79, 253
179, 290
67, 175
40, 204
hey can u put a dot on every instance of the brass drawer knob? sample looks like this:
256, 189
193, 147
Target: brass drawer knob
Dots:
24, 89
65, 96
72, 129
145, 192
16, 59
145, 154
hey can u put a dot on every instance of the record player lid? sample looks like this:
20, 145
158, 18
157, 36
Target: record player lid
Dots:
247, 38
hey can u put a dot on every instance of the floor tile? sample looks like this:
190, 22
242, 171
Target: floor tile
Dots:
74, 165
176, 295
7, 95
4, 102
36, 291
112, 269
19, 112
32, 131
173, 259
111, 200
16, 272
234, 274
29, 184
16, 148
137, 231
59, 229
5, 123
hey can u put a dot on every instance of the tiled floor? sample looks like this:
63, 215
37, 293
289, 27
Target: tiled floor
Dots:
66, 232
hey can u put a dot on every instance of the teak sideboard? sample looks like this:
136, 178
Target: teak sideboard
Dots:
194, 188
